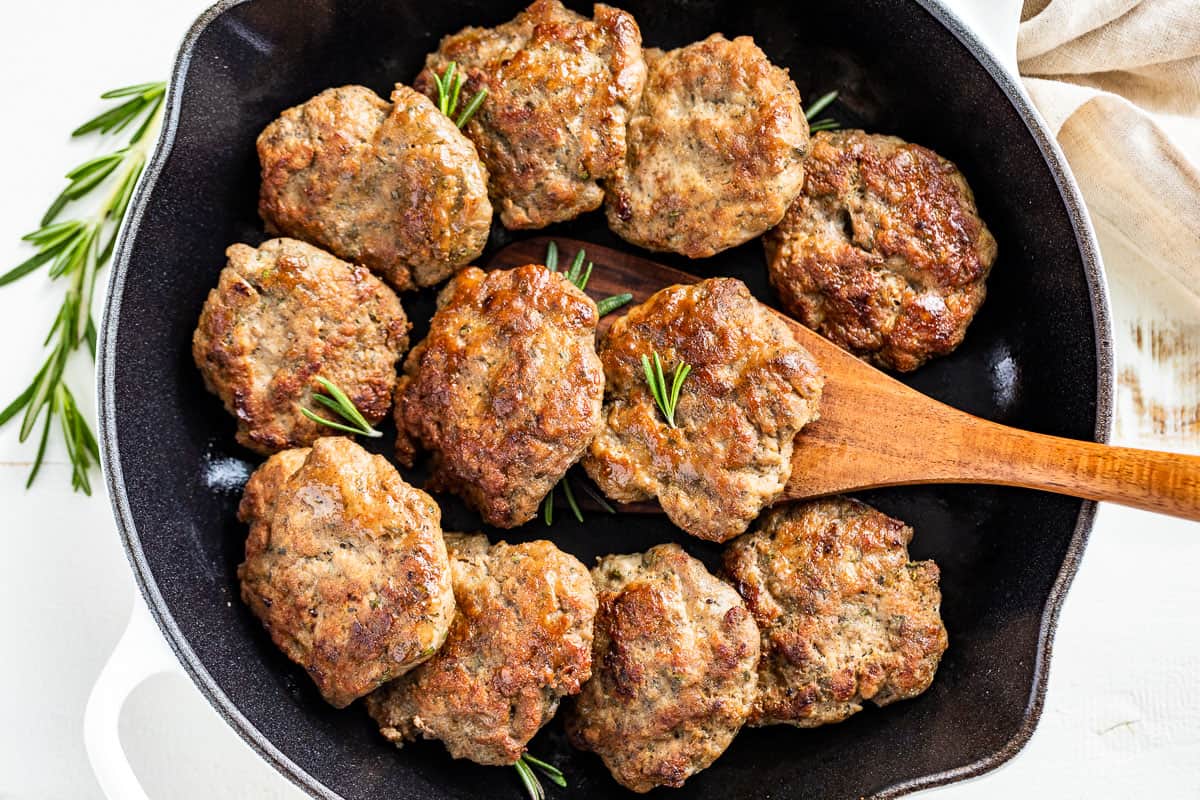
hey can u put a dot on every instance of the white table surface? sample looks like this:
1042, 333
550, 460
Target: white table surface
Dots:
1122, 716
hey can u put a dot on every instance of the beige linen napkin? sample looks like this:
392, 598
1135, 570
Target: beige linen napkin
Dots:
1118, 82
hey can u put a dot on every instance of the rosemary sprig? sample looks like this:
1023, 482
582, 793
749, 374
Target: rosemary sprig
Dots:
77, 250
344, 407
819, 105
525, 767
569, 493
579, 275
548, 506
449, 86
666, 397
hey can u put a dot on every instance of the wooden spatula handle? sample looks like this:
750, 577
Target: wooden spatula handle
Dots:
1168, 483
961, 448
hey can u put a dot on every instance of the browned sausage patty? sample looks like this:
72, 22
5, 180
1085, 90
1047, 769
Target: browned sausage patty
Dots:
845, 616
505, 390
674, 669
345, 566
521, 640
884, 252
751, 389
284, 314
716, 150
560, 89
394, 186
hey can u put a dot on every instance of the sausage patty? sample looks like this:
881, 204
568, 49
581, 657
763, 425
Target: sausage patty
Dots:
751, 389
884, 252
845, 616
522, 639
560, 90
284, 314
505, 390
345, 566
394, 186
674, 669
716, 150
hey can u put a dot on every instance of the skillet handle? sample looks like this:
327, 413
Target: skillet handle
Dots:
140, 654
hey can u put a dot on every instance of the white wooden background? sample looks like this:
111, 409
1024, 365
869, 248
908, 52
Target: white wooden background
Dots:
1123, 713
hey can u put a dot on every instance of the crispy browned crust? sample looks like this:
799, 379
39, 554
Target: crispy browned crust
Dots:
716, 150
521, 640
560, 90
673, 669
884, 252
283, 314
845, 616
751, 389
350, 575
505, 390
394, 186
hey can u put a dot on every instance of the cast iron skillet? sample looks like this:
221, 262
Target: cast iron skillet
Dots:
1038, 357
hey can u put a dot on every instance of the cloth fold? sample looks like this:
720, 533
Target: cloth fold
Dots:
1100, 71
1118, 82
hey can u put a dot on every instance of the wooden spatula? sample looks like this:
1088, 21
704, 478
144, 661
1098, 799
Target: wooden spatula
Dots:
874, 431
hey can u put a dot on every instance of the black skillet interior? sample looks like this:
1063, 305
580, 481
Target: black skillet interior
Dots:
1029, 360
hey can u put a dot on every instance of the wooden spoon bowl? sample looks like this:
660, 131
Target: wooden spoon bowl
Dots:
874, 431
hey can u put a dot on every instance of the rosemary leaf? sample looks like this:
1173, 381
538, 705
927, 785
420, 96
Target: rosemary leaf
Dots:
599, 498
86, 284
576, 269
820, 104
26, 267
472, 106
55, 208
90, 180
611, 304
349, 410
681, 373
651, 380
140, 133
91, 165
43, 392
549, 770
336, 425
344, 407
447, 85
68, 415
548, 507
552, 257
587, 276
126, 91
656, 380
456, 90
109, 119
14, 408
53, 236
41, 451
532, 786
46, 232
566, 484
